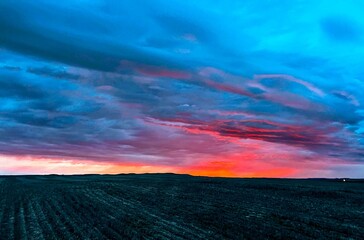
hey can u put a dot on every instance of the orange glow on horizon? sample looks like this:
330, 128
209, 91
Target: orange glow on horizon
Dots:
233, 165
233, 168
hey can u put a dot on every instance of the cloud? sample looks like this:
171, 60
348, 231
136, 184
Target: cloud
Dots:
341, 29
75, 41
51, 72
183, 86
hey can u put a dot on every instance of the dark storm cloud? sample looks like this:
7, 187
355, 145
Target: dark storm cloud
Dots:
80, 38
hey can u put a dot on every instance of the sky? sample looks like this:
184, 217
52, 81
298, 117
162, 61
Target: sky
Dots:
269, 88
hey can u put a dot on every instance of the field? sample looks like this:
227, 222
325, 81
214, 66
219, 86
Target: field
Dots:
168, 206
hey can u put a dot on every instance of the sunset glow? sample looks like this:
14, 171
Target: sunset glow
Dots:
226, 88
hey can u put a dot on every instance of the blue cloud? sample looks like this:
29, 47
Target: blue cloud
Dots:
76, 75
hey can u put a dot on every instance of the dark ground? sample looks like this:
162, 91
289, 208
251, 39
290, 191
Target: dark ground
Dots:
167, 206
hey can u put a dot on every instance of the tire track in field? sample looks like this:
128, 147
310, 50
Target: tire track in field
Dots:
78, 229
110, 217
43, 221
100, 220
83, 215
114, 213
22, 222
11, 222
181, 225
173, 228
55, 222
34, 229
19, 221
2, 209
5, 229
